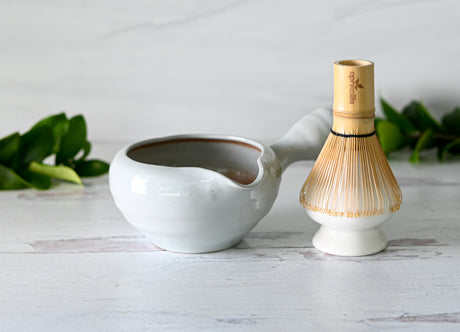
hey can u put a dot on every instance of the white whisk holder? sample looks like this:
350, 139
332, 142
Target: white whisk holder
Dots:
345, 236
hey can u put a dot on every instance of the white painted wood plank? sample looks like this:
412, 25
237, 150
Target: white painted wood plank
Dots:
70, 261
239, 289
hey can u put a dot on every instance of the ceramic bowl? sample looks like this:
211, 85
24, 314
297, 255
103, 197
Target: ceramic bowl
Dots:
203, 193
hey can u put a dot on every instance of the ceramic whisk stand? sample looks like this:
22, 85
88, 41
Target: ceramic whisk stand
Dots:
351, 189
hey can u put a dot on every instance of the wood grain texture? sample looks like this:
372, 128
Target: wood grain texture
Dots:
70, 262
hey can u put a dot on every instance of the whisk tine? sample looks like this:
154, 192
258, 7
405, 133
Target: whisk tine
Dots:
351, 178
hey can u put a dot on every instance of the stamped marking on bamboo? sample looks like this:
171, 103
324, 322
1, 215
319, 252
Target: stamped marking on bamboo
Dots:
354, 86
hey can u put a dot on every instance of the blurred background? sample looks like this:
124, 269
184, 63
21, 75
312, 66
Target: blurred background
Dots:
141, 69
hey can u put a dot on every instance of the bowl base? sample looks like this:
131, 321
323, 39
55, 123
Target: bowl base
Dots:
349, 242
197, 251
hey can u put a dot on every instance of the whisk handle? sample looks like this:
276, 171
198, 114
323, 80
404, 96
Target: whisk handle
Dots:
305, 139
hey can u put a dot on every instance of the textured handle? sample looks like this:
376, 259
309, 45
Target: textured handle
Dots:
354, 88
353, 97
305, 139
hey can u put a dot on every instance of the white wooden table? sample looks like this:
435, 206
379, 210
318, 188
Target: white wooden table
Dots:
70, 262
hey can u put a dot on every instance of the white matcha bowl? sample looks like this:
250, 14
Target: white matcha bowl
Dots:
204, 193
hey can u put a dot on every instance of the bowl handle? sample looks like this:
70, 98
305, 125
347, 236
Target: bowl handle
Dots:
305, 139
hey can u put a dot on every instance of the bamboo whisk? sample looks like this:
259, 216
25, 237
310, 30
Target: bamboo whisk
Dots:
351, 177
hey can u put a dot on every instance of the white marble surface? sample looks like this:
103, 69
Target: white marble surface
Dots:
71, 262
140, 69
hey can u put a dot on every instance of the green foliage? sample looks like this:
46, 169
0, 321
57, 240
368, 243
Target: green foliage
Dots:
451, 121
59, 126
73, 141
8, 148
35, 145
415, 127
10, 180
400, 119
453, 147
92, 167
424, 142
391, 137
22, 156
418, 114
60, 172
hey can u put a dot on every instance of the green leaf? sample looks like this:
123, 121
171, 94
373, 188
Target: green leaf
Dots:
73, 141
58, 172
397, 118
35, 145
390, 136
425, 141
58, 124
9, 180
377, 120
35, 180
86, 151
9, 146
442, 150
418, 114
21, 157
452, 121
92, 167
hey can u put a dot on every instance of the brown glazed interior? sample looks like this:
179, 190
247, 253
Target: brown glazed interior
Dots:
234, 159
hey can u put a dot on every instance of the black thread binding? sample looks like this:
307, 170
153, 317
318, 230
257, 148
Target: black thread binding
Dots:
351, 135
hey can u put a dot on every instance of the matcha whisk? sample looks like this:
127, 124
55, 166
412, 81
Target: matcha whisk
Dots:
351, 188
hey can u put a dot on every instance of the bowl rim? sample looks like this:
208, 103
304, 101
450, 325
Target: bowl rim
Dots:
239, 140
